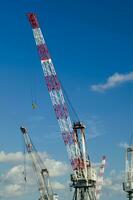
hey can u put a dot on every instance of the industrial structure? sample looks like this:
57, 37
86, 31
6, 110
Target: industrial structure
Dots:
99, 182
128, 176
41, 172
84, 178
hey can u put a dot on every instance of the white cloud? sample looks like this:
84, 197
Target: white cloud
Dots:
57, 186
123, 145
15, 175
18, 157
113, 185
56, 168
12, 190
12, 183
10, 157
113, 81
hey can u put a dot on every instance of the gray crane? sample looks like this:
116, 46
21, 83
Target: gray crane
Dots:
41, 172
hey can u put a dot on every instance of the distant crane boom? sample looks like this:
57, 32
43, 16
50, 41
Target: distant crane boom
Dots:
41, 172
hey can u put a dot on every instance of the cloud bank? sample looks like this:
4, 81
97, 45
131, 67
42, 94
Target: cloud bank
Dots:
12, 182
17, 157
113, 81
113, 185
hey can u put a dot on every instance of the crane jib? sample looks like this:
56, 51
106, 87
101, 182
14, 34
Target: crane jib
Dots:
56, 96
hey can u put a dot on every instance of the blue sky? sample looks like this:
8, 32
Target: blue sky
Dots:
90, 41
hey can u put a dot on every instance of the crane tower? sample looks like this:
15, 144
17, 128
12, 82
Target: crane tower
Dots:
128, 178
99, 182
73, 133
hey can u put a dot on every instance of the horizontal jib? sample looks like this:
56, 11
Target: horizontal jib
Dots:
33, 20
61, 111
43, 52
52, 82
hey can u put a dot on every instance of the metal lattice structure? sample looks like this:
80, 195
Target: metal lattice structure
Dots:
73, 134
41, 172
100, 180
57, 97
128, 177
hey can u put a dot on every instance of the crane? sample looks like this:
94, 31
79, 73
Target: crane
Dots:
41, 172
99, 182
84, 175
128, 178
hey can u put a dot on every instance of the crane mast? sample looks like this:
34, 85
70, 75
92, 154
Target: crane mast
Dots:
99, 182
84, 175
128, 178
41, 172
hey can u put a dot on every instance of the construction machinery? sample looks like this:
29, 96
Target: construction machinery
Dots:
99, 182
41, 172
84, 174
128, 176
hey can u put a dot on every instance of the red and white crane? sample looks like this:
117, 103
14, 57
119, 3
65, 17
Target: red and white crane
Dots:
84, 175
100, 180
